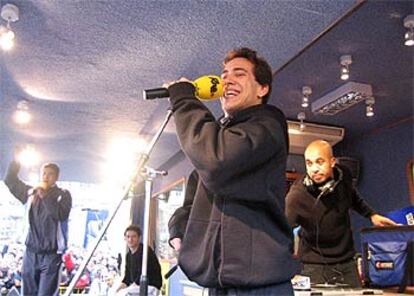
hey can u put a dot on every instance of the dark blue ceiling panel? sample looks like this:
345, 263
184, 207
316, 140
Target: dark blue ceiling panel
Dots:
373, 35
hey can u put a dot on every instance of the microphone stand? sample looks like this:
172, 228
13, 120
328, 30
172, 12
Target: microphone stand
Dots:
149, 175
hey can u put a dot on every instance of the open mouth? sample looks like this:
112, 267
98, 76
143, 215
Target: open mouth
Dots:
231, 93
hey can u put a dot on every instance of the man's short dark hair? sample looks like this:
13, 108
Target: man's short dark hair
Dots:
134, 228
52, 166
262, 70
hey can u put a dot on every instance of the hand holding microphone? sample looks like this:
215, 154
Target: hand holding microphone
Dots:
176, 244
42, 187
208, 87
39, 191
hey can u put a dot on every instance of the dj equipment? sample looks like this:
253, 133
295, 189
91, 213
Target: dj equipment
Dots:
388, 256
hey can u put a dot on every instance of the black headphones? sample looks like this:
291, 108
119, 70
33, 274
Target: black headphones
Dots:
326, 188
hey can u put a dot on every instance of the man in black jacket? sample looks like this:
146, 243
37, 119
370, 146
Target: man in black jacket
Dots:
231, 233
133, 266
49, 207
320, 203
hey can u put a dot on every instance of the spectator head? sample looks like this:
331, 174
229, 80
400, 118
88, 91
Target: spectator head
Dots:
50, 174
132, 236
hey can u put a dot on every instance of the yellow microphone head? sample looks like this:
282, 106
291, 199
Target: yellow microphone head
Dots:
209, 87
43, 185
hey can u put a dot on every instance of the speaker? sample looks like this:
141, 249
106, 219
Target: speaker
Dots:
352, 164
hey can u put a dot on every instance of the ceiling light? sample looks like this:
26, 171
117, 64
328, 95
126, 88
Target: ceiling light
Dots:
409, 35
301, 118
22, 115
10, 13
6, 38
28, 157
345, 61
306, 91
121, 156
342, 98
369, 109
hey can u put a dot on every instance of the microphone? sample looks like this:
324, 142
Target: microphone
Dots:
208, 87
171, 271
42, 187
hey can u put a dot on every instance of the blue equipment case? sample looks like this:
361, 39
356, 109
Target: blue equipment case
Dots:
388, 256
403, 216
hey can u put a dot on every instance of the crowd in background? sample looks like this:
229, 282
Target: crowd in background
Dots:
98, 278
11, 259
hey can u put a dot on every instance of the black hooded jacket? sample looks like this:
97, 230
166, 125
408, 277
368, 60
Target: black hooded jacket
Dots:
234, 230
47, 217
325, 234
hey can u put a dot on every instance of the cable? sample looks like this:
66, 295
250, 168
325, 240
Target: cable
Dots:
317, 244
326, 278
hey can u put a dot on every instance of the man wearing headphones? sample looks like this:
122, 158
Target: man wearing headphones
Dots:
320, 204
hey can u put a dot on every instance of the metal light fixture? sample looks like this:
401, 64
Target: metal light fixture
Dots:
369, 109
10, 13
409, 35
345, 61
342, 98
306, 91
301, 118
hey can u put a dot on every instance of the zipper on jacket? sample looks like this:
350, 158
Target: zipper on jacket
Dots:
221, 242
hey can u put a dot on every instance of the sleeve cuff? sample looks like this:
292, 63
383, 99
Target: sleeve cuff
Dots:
180, 91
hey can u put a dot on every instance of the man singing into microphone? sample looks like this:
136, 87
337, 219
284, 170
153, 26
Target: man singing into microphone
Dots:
48, 210
231, 233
